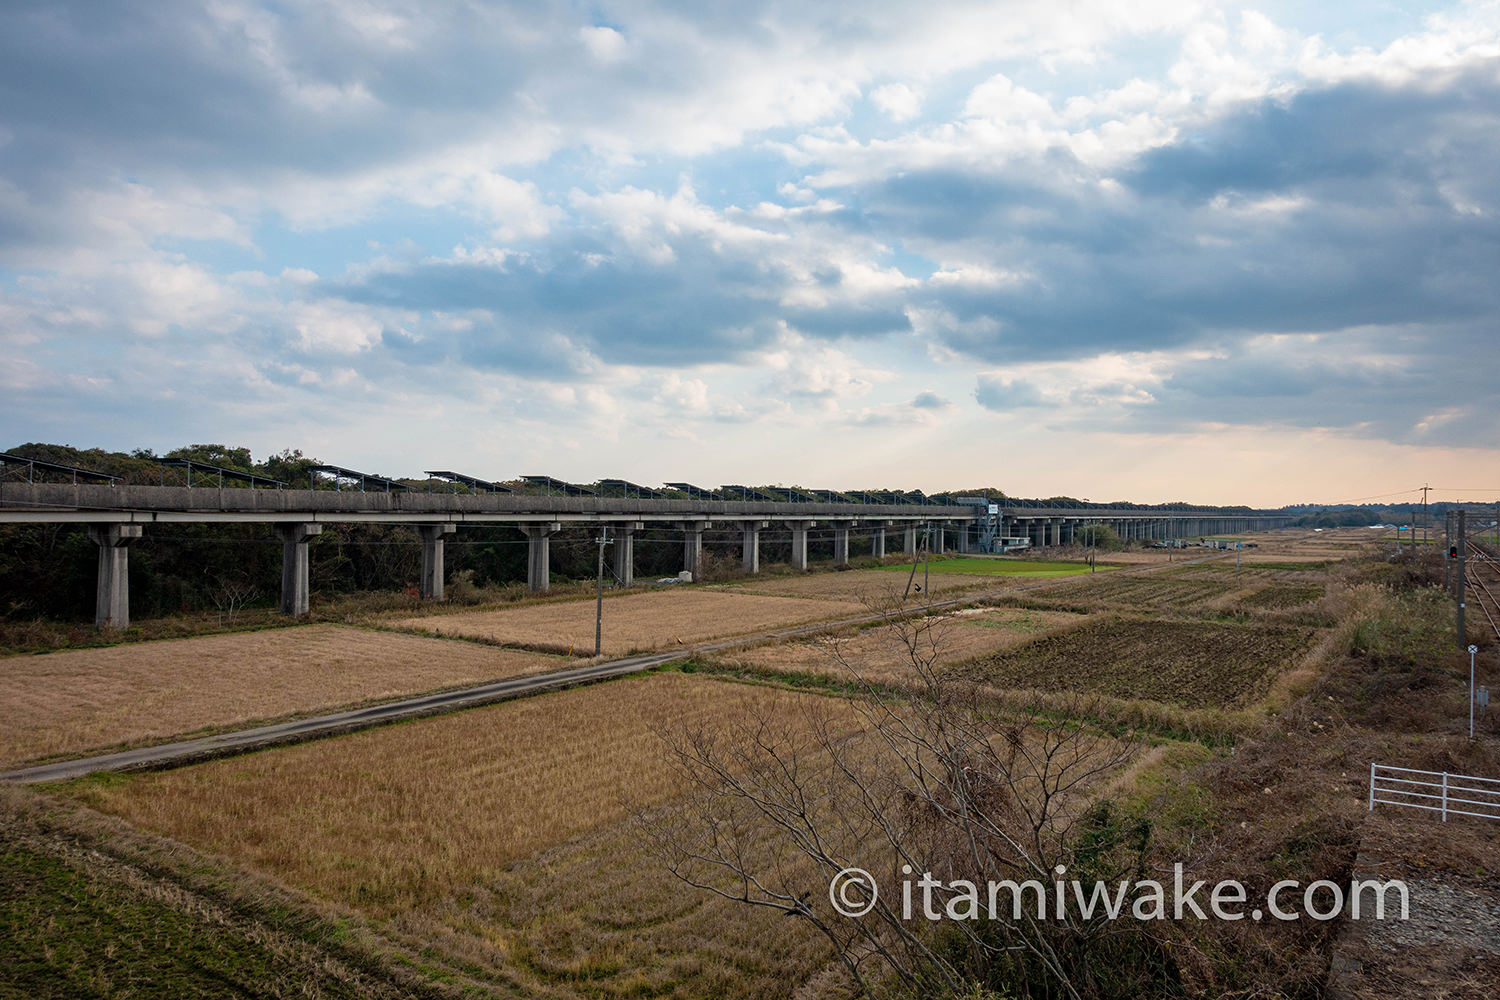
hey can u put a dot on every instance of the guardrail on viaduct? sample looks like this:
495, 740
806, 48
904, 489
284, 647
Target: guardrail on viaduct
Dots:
117, 514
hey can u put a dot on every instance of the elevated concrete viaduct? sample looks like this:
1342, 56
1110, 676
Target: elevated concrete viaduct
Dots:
117, 514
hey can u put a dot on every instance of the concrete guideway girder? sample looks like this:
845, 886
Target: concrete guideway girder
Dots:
112, 600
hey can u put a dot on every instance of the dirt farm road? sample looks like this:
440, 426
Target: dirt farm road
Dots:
165, 755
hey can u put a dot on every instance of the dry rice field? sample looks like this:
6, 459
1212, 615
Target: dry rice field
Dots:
882, 657
862, 585
501, 836
84, 699
637, 622
1155, 591
1281, 596
1195, 664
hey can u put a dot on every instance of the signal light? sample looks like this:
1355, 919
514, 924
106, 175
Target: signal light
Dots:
1453, 552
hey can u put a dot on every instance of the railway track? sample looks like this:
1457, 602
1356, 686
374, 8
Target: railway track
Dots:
1483, 577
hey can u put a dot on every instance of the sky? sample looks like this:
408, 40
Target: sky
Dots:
1150, 251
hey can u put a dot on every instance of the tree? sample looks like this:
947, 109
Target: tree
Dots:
1099, 536
930, 777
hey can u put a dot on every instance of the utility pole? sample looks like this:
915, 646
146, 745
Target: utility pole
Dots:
1424, 512
599, 597
913, 574
1463, 639
1448, 551
927, 566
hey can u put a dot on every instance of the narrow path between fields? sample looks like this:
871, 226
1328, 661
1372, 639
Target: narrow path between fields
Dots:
164, 755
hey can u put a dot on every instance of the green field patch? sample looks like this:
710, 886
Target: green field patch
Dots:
1001, 567
1195, 664
66, 932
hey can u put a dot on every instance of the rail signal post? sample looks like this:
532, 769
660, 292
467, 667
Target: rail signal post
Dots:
1472, 650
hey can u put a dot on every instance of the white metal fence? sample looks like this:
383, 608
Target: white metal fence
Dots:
1436, 791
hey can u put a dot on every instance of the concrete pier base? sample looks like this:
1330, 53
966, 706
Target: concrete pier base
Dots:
112, 601
692, 546
294, 566
430, 584
841, 542
799, 543
750, 545
624, 538
539, 555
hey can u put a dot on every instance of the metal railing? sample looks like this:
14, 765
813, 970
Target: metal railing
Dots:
1435, 791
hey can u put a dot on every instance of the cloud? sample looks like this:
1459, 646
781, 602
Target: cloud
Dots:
996, 392
897, 101
1144, 220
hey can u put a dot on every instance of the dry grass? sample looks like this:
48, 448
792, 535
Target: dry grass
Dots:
394, 818
882, 658
637, 622
498, 837
69, 702
863, 585
598, 916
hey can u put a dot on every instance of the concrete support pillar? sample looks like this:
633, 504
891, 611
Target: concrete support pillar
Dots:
1054, 531
539, 555
1037, 531
799, 543
962, 537
841, 542
1069, 528
112, 601
936, 540
294, 565
909, 539
877, 542
430, 584
624, 557
750, 547
692, 546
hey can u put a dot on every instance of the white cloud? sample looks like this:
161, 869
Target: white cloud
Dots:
897, 101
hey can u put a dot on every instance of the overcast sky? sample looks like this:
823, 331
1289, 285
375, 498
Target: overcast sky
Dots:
1150, 251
